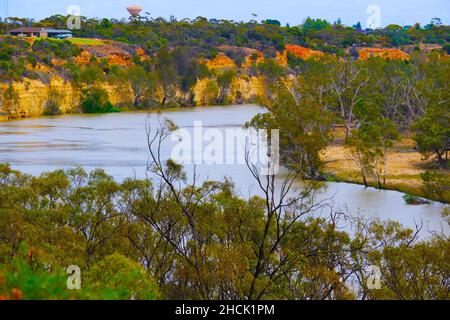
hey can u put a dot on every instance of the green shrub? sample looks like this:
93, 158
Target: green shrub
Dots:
119, 277
115, 277
96, 100
52, 105
10, 101
56, 48
436, 185
413, 200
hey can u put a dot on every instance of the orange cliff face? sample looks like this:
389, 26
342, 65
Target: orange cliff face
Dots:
386, 53
281, 58
220, 62
83, 58
115, 53
302, 52
251, 56
120, 60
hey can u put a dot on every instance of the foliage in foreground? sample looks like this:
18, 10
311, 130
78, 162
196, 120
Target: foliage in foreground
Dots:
113, 278
135, 240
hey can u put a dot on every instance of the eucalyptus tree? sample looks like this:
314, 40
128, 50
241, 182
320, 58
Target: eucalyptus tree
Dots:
350, 84
370, 145
224, 247
143, 83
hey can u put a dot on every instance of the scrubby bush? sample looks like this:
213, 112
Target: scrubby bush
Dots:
122, 278
10, 101
56, 48
96, 100
436, 185
53, 102
113, 278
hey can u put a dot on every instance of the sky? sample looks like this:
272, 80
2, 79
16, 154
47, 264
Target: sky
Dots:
403, 12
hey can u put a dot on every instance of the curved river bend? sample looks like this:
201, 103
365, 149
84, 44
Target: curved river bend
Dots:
117, 143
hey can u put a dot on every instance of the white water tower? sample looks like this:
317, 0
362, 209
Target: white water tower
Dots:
134, 10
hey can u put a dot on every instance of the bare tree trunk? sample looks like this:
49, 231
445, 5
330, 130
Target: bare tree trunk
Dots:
365, 180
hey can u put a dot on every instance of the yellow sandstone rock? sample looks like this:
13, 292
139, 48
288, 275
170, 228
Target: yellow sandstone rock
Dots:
387, 53
33, 95
220, 62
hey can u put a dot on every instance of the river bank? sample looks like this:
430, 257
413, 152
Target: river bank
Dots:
404, 169
405, 165
117, 143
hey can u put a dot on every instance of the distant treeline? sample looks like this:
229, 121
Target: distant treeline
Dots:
204, 36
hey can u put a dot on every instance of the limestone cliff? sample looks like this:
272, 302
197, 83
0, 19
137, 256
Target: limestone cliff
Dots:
302, 52
386, 53
34, 94
221, 61
243, 89
116, 53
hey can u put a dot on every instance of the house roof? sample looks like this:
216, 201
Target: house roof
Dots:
27, 29
38, 29
57, 31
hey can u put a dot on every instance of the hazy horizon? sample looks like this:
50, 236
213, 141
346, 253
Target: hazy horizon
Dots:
403, 12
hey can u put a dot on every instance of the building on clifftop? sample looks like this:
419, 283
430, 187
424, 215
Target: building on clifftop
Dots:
40, 33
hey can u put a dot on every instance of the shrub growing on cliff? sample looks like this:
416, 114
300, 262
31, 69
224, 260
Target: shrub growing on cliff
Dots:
209, 93
10, 102
88, 75
224, 81
51, 48
142, 83
52, 104
96, 100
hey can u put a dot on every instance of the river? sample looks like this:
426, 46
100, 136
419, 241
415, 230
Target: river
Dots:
117, 143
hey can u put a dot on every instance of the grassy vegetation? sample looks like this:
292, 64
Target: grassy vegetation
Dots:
86, 41
411, 184
405, 168
406, 188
